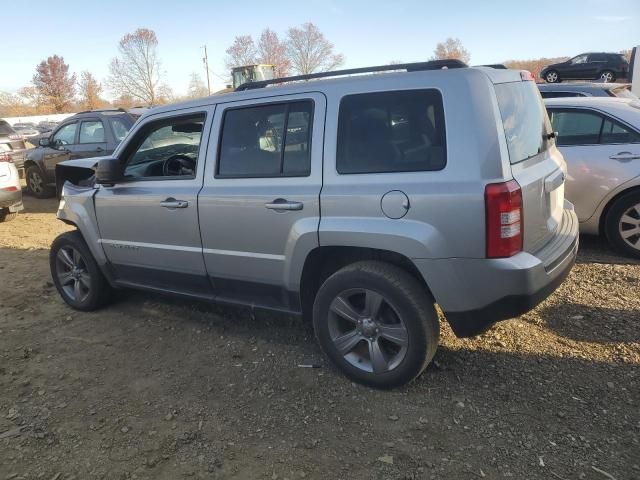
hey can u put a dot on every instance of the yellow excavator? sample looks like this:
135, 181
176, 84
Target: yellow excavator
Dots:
248, 74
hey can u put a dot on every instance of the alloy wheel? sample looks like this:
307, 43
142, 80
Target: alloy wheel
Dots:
629, 226
36, 185
367, 331
552, 77
607, 77
72, 273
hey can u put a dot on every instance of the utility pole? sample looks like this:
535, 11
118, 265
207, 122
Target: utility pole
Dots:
206, 66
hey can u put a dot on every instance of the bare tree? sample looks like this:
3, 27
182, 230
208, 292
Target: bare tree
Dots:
197, 87
241, 52
272, 51
309, 50
90, 90
451, 48
136, 71
627, 54
54, 84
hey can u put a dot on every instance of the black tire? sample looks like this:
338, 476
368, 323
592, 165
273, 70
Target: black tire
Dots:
98, 293
614, 228
36, 183
549, 77
404, 298
6, 215
607, 76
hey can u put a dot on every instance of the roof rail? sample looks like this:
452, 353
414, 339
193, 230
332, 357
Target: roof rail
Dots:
103, 110
409, 67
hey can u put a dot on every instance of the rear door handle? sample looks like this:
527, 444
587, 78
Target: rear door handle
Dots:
173, 203
282, 204
625, 156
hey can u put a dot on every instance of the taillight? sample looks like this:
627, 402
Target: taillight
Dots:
5, 157
15, 136
9, 189
526, 76
503, 205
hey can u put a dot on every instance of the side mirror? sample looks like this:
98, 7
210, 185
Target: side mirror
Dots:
44, 142
108, 171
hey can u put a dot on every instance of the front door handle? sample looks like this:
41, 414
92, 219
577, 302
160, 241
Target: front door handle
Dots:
99, 149
625, 156
280, 204
173, 203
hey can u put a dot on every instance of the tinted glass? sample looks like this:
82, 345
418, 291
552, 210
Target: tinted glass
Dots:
66, 135
597, 57
266, 141
576, 127
561, 94
92, 132
167, 148
579, 59
613, 132
524, 118
120, 129
5, 128
399, 131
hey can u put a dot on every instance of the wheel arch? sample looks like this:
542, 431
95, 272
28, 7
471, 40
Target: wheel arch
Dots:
605, 210
324, 261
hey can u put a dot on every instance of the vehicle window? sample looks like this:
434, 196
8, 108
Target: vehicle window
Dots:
120, 129
614, 132
576, 127
166, 148
266, 141
579, 59
5, 128
525, 122
597, 57
400, 131
66, 135
92, 132
561, 94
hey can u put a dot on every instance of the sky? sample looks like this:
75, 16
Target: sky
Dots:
370, 32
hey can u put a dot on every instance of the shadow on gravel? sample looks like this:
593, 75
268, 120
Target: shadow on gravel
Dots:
593, 324
595, 249
36, 205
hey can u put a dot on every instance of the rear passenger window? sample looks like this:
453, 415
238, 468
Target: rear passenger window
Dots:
613, 132
266, 141
575, 127
399, 131
92, 132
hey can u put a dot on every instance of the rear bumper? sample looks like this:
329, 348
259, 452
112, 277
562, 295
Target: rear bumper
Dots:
476, 293
11, 200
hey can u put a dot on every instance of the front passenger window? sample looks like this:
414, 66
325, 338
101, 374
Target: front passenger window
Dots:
66, 135
166, 148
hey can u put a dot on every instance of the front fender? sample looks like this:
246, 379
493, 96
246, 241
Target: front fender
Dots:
76, 207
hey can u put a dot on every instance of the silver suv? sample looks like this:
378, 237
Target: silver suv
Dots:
358, 202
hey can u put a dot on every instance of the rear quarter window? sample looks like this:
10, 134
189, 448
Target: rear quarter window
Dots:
384, 132
525, 121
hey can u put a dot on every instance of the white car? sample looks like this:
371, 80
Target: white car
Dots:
599, 138
10, 190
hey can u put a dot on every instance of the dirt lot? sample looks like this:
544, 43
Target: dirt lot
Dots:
157, 388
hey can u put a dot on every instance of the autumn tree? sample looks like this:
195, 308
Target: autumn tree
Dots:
272, 51
241, 52
136, 72
197, 87
627, 54
90, 90
309, 51
451, 48
54, 84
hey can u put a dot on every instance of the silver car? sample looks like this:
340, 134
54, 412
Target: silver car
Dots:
357, 202
600, 141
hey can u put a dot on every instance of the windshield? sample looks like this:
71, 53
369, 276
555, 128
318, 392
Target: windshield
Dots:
5, 128
525, 121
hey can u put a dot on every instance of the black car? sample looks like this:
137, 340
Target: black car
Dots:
608, 67
585, 89
87, 134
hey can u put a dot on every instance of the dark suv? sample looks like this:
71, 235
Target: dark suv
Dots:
608, 67
87, 134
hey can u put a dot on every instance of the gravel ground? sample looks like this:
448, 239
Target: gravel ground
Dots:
158, 388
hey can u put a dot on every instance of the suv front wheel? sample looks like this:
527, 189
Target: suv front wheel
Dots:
552, 76
76, 274
36, 183
376, 323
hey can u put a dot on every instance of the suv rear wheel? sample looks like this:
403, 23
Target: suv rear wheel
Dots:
608, 76
376, 323
76, 274
552, 76
622, 225
36, 184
